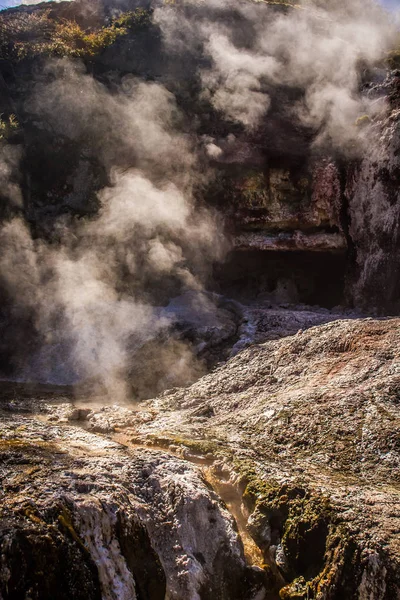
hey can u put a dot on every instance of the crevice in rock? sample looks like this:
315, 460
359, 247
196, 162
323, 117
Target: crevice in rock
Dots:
261, 567
142, 560
345, 225
310, 278
26, 548
232, 498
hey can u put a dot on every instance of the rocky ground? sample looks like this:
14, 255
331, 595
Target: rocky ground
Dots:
83, 517
276, 475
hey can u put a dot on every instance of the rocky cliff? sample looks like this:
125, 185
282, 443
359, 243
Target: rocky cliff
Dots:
284, 200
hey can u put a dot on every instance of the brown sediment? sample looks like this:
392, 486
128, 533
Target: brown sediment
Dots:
233, 501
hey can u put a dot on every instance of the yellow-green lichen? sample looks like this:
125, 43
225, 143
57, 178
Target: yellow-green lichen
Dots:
363, 121
65, 520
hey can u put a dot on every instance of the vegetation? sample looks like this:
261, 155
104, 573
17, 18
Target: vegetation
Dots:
23, 35
318, 548
8, 126
363, 121
394, 59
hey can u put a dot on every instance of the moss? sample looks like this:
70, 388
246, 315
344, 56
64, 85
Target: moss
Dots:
298, 589
250, 191
253, 190
305, 535
258, 490
320, 552
363, 121
255, 487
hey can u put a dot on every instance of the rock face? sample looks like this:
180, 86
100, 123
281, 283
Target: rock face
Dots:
289, 200
372, 192
275, 190
83, 517
306, 429
295, 439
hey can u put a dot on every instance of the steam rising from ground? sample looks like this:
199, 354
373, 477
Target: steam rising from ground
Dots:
90, 294
319, 48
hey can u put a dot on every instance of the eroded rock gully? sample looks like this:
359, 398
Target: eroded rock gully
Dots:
304, 452
85, 517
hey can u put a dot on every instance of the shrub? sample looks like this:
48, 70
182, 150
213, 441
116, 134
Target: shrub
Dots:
28, 34
8, 126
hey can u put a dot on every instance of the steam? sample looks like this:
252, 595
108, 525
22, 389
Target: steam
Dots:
9, 175
136, 123
234, 85
93, 293
90, 294
253, 50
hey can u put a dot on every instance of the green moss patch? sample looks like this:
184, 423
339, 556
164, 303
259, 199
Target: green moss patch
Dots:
320, 553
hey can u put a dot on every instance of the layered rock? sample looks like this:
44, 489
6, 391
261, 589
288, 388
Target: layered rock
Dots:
293, 199
297, 436
276, 191
83, 517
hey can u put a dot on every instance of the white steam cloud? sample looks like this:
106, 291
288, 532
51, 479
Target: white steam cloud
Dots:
319, 48
90, 295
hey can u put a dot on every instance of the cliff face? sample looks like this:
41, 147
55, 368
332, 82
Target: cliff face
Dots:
373, 212
277, 192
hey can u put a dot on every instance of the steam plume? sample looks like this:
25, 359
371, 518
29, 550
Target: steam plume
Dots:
253, 49
90, 296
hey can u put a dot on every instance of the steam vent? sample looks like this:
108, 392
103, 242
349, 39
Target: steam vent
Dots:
200, 300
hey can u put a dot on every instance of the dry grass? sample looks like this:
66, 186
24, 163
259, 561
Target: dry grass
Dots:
24, 35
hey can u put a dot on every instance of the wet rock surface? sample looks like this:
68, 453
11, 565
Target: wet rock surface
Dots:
294, 439
307, 428
84, 517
